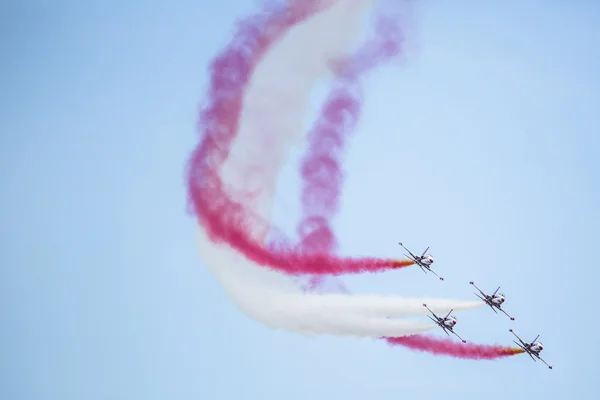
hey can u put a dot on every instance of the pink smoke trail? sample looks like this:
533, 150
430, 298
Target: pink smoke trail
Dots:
321, 170
448, 347
224, 219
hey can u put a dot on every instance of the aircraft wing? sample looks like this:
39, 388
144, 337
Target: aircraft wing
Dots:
542, 360
438, 318
445, 329
480, 291
410, 252
481, 298
456, 334
433, 272
501, 309
520, 340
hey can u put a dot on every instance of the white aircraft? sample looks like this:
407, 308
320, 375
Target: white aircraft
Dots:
447, 323
533, 349
424, 260
494, 301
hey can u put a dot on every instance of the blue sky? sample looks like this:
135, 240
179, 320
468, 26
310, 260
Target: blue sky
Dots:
482, 144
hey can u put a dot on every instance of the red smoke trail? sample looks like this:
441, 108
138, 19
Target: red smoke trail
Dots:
224, 219
448, 347
321, 170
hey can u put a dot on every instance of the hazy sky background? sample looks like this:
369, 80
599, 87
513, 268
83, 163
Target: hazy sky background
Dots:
482, 144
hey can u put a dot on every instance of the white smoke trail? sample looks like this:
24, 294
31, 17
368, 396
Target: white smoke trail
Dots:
272, 120
275, 102
271, 298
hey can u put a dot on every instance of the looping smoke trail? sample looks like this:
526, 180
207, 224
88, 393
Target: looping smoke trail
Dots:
229, 76
225, 218
321, 170
448, 347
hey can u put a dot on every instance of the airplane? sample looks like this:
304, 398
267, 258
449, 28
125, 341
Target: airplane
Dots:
533, 349
424, 261
447, 323
494, 301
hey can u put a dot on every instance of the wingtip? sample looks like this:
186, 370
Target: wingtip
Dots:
424, 305
550, 367
510, 330
464, 341
512, 318
471, 283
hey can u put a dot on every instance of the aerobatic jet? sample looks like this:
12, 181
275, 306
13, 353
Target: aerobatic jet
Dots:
424, 260
533, 349
495, 300
447, 323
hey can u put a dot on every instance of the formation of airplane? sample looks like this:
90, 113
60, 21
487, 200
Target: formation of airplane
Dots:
533, 348
447, 323
494, 301
424, 260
